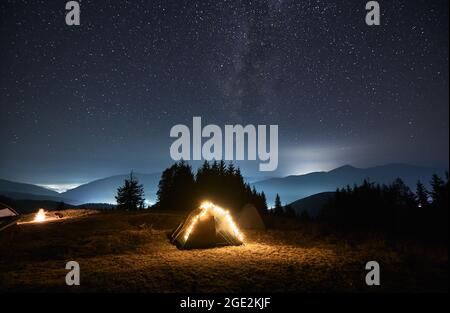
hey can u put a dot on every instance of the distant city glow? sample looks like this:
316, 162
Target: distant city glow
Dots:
302, 169
317, 158
59, 187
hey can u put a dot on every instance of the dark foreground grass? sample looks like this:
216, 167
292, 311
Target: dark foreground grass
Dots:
129, 252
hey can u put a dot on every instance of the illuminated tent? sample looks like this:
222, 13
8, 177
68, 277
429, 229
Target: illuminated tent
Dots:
249, 218
8, 216
205, 227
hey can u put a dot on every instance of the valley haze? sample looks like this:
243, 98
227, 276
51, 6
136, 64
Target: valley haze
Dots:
290, 188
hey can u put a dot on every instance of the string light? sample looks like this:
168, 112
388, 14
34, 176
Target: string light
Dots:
205, 208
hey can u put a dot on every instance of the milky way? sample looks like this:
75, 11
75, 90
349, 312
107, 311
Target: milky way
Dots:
82, 102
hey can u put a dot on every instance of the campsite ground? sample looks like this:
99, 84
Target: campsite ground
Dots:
129, 252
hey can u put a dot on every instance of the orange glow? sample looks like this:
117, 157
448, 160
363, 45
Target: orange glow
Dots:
40, 216
206, 207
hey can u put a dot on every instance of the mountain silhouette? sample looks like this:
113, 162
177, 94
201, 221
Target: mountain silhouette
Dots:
290, 188
104, 190
312, 204
7, 186
30, 196
295, 187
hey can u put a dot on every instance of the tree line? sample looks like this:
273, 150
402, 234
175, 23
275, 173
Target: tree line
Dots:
181, 189
223, 184
391, 208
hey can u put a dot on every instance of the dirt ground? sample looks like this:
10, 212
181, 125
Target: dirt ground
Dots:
129, 252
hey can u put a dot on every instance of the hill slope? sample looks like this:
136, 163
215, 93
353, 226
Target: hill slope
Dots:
30, 196
104, 190
23, 188
290, 188
311, 204
294, 187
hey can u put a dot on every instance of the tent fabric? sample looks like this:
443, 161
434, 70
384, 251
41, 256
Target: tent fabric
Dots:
7, 212
205, 227
249, 218
8, 216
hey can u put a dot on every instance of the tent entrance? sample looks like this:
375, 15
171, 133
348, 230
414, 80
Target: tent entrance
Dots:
204, 235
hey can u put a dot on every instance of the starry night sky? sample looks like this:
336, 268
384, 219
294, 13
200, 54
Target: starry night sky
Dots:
83, 102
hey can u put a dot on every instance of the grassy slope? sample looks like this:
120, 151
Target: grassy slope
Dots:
129, 252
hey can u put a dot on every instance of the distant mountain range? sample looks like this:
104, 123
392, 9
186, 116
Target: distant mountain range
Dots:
294, 187
104, 190
290, 188
23, 188
97, 191
31, 196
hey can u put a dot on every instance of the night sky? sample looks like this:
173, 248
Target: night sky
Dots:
84, 102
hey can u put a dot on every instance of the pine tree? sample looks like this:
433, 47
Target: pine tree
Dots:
131, 195
165, 187
421, 195
262, 207
176, 188
180, 189
278, 208
437, 185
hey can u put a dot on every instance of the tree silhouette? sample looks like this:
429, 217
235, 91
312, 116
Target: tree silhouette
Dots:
392, 209
176, 189
131, 195
421, 195
278, 208
439, 207
180, 189
437, 184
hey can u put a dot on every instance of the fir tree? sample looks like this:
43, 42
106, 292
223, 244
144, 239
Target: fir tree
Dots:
131, 195
218, 182
278, 208
421, 195
176, 189
437, 184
